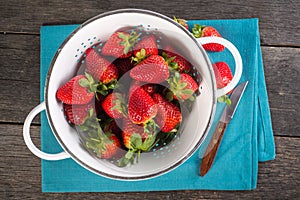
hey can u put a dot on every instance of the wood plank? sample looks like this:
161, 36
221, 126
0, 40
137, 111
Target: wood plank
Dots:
19, 82
19, 77
279, 20
20, 174
282, 74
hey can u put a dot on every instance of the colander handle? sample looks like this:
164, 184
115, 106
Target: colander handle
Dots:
26, 134
237, 58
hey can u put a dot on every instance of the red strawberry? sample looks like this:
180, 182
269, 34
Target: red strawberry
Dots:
105, 145
181, 22
141, 107
136, 140
113, 126
223, 74
148, 43
168, 114
148, 87
100, 68
129, 129
133, 132
204, 31
183, 86
114, 105
111, 147
181, 64
77, 114
153, 69
75, 91
123, 65
119, 44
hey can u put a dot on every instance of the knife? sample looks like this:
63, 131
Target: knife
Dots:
215, 141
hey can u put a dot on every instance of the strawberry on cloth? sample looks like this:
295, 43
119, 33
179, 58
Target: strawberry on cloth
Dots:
223, 77
223, 74
205, 31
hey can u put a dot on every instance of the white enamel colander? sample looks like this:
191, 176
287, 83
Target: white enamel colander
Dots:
161, 159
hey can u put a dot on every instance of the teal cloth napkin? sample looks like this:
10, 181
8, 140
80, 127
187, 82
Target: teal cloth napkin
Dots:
247, 140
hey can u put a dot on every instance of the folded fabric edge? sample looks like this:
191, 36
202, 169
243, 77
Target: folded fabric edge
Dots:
266, 148
255, 133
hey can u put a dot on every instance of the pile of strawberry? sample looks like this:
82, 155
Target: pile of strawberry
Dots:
129, 96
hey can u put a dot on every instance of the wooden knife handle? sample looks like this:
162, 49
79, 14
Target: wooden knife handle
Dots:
212, 148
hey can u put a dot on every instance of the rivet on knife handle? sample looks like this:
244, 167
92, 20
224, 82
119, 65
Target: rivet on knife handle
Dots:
212, 148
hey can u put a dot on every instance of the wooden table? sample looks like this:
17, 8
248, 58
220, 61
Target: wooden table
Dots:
20, 170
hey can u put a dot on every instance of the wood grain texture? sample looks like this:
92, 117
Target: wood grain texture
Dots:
282, 74
20, 174
19, 77
20, 68
279, 20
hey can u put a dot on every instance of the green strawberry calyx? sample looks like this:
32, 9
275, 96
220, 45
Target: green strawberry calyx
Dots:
178, 88
140, 56
181, 22
99, 87
88, 82
94, 138
224, 99
150, 127
128, 41
197, 30
105, 88
119, 104
128, 158
170, 61
137, 146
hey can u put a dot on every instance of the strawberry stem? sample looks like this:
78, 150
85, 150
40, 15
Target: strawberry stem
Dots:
140, 56
169, 60
178, 88
120, 104
127, 158
197, 30
224, 99
94, 138
181, 22
128, 40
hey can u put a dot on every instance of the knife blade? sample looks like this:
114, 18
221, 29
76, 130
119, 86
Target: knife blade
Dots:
226, 116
